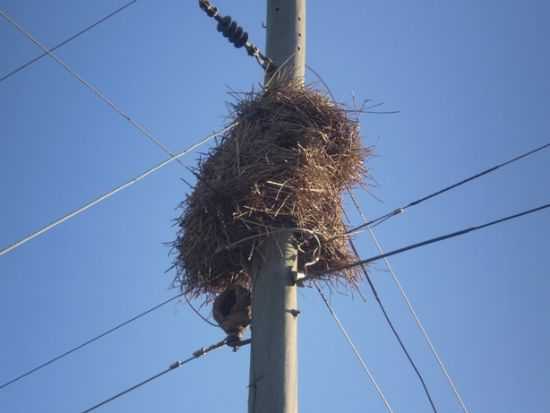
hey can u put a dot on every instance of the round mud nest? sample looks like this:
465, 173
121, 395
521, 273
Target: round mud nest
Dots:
285, 164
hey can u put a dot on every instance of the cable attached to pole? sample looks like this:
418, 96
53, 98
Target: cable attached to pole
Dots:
197, 354
88, 342
431, 241
446, 237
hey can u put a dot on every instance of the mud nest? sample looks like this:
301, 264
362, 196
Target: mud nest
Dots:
285, 164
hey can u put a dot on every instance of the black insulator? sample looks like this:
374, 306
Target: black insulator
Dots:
234, 33
210, 10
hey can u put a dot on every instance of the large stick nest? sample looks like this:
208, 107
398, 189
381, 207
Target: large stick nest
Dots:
285, 164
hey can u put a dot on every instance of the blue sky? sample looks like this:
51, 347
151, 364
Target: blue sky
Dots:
470, 80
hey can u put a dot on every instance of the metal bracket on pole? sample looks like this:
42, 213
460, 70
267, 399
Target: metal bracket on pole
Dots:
298, 278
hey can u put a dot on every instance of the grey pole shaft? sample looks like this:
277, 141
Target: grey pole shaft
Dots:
273, 355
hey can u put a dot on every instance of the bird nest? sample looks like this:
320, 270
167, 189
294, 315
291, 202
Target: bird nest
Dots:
284, 165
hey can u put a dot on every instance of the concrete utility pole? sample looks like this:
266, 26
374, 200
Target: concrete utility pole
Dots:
273, 355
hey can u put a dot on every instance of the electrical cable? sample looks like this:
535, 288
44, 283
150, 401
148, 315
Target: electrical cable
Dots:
354, 348
375, 292
107, 195
197, 354
381, 219
392, 327
415, 316
67, 40
436, 239
99, 336
88, 342
99, 94
90, 87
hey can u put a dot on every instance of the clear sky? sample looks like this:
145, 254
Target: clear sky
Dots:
470, 79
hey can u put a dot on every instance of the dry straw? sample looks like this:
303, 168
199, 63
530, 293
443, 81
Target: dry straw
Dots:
284, 165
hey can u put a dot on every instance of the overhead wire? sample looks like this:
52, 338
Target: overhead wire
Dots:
100, 336
176, 157
398, 211
392, 326
67, 40
93, 89
99, 94
358, 263
197, 354
354, 349
373, 288
107, 195
415, 316
88, 342
436, 239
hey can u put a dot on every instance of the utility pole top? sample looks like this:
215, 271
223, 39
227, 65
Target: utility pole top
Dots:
286, 37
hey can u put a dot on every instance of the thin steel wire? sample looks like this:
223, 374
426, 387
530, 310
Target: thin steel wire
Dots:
67, 40
99, 336
415, 316
92, 88
88, 342
390, 323
197, 354
107, 195
354, 349
398, 211
437, 239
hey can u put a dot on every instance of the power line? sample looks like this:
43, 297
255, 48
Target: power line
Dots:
369, 280
119, 188
101, 335
88, 342
95, 90
69, 39
392, 327
88, 85
199, 353
358, 263
354, 348
437, 239
398, 211
409, 305
101, 96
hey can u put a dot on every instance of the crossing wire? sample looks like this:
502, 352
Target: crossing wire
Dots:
391, 325
106, 100
67, 40
354, 349
415, 316
197, 354
487, 171
107, 195
93, 89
